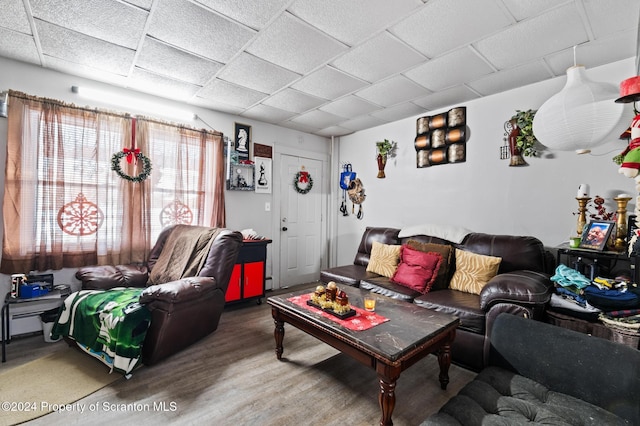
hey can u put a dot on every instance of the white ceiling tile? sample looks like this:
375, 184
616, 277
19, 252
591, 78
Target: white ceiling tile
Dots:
195, 29
18, 46
350, 106
231, 94
317, 119
511, 78
328, 83
295, 45
377, 58
253, 13
551, 32
294, 101
523, 9
107, 20
257, 74
145, 81
446, 98
216, 106
267, 114
87, 72
167, 60
392, 91
398, 112
14, 17
595, 53
84, 50
346, 21
453, 68
430, 30
361, 123
610, 16
145, 4
299, 126
334, 131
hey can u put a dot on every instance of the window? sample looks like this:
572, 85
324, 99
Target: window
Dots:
64, 206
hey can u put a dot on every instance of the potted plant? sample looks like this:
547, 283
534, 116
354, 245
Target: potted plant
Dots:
385, 149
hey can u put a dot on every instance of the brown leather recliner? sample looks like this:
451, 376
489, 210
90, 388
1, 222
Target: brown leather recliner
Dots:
182, 311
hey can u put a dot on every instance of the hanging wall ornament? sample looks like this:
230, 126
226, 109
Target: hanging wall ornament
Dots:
80, 217
302, 181
357, 195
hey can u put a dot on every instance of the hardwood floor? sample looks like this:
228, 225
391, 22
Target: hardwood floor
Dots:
232, 377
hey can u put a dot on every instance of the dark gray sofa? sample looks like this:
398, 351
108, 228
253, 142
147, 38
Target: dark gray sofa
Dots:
541, 373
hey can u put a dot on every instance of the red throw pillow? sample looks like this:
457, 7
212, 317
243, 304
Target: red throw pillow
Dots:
417, 270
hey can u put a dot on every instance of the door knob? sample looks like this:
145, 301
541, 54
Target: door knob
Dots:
284, 228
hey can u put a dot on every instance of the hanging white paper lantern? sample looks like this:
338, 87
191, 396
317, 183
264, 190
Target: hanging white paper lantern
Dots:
580, 116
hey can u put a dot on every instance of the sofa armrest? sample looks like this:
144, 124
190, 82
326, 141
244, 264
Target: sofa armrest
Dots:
598, 371
176, 292
519, 287
108, 276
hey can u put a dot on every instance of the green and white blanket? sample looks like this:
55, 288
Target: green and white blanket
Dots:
108, 324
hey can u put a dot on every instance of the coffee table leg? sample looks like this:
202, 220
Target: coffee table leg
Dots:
278, 333
444, 360
387, 377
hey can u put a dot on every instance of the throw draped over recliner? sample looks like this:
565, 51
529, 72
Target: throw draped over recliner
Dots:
184, 281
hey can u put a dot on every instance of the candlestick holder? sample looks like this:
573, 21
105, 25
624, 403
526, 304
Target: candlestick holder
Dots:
582, 214
621, 223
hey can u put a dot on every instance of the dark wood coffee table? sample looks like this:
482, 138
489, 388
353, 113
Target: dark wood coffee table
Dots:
389, 348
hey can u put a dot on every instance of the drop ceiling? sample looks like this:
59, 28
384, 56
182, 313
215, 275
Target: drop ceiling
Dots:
327, 67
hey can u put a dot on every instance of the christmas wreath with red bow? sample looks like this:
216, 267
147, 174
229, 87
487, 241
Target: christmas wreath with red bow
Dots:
132, 155
302, 177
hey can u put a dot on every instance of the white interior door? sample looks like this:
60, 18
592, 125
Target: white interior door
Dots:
300, 222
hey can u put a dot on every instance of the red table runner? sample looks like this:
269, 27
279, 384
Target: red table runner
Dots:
362, 320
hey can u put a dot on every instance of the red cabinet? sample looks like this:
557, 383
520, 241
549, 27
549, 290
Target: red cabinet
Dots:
248, 276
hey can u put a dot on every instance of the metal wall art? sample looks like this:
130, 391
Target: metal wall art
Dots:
441, 139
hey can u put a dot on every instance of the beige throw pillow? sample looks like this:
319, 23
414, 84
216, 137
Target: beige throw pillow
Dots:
384, 259
473, 271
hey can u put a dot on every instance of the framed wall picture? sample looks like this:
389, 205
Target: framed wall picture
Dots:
263, 174
242, 134
596, 234
241, 177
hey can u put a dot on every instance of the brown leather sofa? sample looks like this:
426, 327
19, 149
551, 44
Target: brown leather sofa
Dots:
522, 285
182, 311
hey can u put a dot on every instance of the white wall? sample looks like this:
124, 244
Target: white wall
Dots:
244, 209
483, 194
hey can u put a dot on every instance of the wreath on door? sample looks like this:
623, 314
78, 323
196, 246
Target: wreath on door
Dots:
302, 177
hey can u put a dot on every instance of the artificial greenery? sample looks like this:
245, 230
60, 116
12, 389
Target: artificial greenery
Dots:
385, 147
526, 140
296, 180
146, 166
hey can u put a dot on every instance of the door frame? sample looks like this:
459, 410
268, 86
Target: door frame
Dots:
278, 187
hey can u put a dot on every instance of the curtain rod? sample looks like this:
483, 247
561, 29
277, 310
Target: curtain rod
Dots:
22, 95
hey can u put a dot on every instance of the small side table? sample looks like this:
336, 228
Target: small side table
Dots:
5, 315
570, 253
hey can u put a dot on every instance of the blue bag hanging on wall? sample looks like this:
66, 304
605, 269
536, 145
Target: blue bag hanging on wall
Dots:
346, 176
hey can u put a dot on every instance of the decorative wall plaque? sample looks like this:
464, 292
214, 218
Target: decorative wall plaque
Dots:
441, 138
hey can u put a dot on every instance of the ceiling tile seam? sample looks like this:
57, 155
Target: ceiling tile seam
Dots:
34, 31
584, 17
167, 77
483, 58
143, 36
501, 5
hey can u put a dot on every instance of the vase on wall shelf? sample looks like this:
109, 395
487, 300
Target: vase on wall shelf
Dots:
516, 155
382, 162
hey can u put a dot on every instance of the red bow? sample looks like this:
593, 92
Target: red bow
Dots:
304, 177
132, 154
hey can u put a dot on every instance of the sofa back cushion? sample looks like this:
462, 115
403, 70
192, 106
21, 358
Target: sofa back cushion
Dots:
517, 252
382, 235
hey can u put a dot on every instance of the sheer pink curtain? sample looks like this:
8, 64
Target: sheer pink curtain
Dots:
65, 207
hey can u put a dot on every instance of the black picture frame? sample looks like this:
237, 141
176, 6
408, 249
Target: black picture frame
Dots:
631, 226
596, 234
242, 139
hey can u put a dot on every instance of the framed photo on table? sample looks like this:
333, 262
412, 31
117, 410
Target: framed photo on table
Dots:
596, 234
